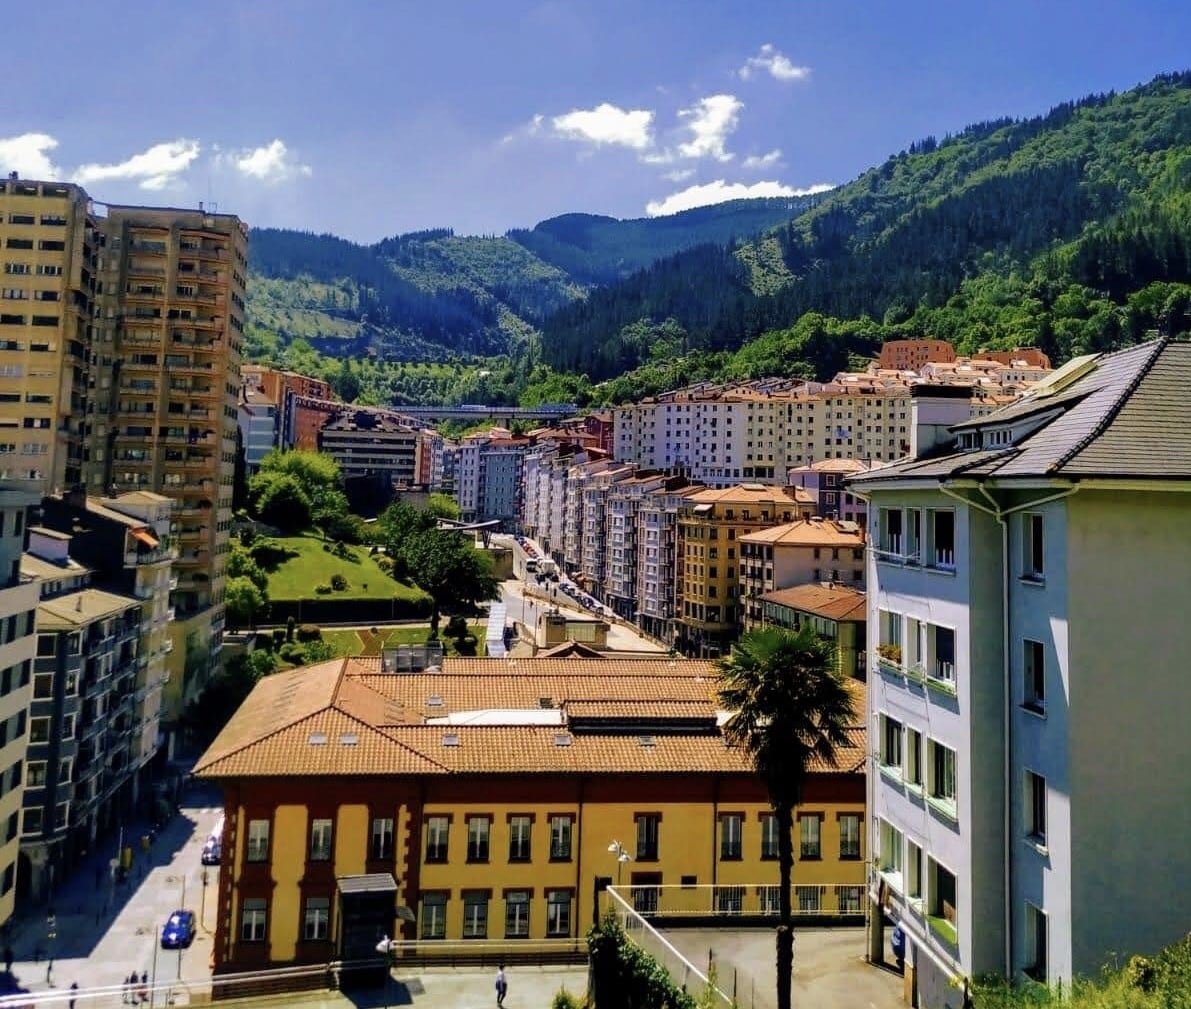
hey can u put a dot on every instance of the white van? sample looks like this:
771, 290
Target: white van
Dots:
213, 846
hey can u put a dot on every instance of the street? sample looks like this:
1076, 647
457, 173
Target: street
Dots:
105, 930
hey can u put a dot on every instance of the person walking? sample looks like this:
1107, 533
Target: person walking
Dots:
144, 989
502, 985
128, 990
74, 987
7, 959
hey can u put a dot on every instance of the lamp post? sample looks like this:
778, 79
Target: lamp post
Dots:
203, 903
622, 856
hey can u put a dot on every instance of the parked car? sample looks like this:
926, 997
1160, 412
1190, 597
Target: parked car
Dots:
178, 931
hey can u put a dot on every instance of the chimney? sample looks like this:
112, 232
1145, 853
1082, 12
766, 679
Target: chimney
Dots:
934, 409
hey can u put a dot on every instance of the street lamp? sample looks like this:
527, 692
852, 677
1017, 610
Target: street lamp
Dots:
622, 856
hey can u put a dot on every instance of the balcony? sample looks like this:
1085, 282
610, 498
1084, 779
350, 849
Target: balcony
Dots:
198, 252
889, 659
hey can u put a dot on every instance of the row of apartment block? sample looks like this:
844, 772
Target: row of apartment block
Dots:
121, 332
689, 564
721, 435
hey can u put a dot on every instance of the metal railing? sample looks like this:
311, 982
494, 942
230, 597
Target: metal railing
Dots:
645, 936
843, 902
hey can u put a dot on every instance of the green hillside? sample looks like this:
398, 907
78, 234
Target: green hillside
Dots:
1071, 231
600, 250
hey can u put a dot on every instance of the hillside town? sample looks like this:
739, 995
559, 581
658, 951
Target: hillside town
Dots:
310, 693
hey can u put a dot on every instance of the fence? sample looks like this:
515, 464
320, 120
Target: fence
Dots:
749, 903
642, 934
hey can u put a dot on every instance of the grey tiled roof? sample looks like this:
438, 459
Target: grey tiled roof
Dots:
1128, 417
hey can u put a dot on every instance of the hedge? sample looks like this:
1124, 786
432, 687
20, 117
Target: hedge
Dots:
329, 610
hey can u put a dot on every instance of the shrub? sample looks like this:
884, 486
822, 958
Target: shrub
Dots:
385, 564
338, 582
310, 632
466, 645
322, 589
248, 536
456, 627
293, 652
289, 628
280, 637
563, 999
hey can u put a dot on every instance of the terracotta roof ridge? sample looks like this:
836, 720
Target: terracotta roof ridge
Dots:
284, 726
384, 730
1118, 404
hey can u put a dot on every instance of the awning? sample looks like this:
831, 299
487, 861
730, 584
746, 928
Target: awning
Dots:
143, 536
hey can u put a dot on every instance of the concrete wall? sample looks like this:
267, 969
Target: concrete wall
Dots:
1129, 698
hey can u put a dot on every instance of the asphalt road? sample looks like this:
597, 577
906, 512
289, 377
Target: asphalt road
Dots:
105, 930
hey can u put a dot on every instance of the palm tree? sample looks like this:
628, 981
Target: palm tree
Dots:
790, 707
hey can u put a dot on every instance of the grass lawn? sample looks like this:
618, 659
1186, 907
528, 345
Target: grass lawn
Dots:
296, 577
350, 642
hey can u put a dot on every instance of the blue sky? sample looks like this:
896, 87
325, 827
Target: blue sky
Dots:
368, 119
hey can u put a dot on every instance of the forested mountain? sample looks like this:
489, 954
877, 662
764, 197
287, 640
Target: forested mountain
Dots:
429, 294
599, 250
1071, 231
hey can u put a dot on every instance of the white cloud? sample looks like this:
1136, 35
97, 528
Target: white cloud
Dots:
607, 124
274, 162
720, 191
155, 168
679, 174
769, 60
29, 155
763, 160
711, 120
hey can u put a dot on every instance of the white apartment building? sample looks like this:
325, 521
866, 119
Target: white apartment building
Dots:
1028, 697
659, 563
624, 503
594, 535
257, 416
572, 510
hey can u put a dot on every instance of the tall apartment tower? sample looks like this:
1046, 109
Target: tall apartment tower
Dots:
49, 251
169, 337
18, 606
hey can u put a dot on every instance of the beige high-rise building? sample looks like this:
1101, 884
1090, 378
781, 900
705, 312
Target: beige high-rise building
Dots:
48, 255
168, 345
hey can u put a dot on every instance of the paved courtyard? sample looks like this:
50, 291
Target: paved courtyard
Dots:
829, 967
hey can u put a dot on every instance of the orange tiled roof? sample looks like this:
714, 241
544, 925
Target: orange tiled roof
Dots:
748, 494
807, 532
836, 602
345, 718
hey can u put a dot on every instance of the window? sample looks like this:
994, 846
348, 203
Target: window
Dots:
253, 919
730, 830
475, 913
320, 840
1034, 666
43, 685
558, 913
941, 902
913, 757
437, 833
381, 844
478, 831
849, 836
560, 838
1033, 566
848, 898
647, 837
517, 914
31, 822
729, 899
46, 645
258, 841
769, 835
35, 775
1035, 941
942, 669
891, 531
1035, 811
891, 744
808, 836
39, 729
942, 775
913, 871
434, 915
942, 531
316, 919
808, 899
891, 849
770, 898
519, 835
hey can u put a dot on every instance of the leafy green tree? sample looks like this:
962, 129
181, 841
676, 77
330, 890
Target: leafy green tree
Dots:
208, 713
347, 382
790, 708
241, 564
443, 506
245, 601
281, 501
448, 567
